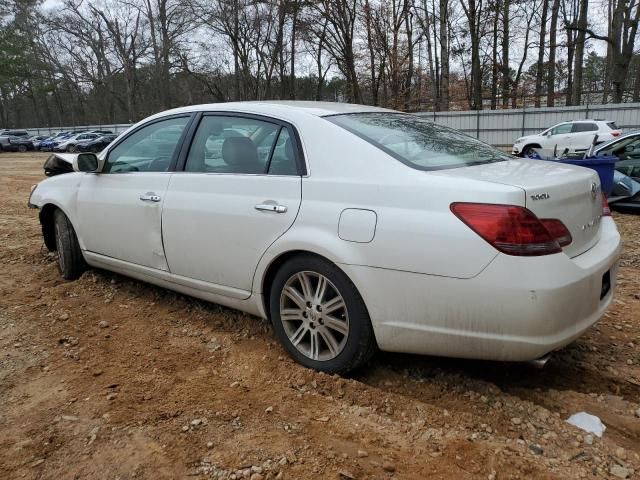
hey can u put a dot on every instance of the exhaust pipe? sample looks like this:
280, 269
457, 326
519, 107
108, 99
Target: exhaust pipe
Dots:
539, 363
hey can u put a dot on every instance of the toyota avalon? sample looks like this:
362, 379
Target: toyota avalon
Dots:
351, 228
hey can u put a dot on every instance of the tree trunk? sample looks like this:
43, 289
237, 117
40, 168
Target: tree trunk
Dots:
472, 11
444, 55
494, 59
541, 45
576, 94
292, 72
551, 67
506, 72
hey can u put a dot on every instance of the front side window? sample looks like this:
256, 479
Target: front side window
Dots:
562, 129
227, 144
418, 142
149, 149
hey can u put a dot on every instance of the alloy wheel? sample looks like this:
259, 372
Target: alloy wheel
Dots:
314, 315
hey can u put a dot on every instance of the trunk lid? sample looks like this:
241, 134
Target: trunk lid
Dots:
568, 193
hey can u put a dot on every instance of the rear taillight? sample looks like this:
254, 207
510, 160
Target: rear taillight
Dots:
615, 133
606, 211
511, 229
558, 230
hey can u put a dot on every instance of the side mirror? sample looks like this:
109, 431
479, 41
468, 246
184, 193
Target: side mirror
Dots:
629, 148
548, 134
86, 162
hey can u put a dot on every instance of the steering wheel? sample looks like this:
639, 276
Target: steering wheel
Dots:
159, 164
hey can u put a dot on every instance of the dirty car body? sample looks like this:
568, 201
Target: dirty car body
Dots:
517, 260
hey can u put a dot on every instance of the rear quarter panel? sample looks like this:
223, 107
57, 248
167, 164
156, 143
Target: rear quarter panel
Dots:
415, 230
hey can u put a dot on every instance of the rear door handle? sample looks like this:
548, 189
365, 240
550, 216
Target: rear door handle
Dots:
150, 197
271, 207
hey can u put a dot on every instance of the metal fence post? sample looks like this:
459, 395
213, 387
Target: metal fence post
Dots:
478, 124
524, 116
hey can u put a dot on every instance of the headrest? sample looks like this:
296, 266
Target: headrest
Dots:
240, 151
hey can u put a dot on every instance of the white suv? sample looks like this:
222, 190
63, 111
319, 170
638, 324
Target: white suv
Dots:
575, 135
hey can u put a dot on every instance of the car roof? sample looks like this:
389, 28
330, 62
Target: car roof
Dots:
319, 109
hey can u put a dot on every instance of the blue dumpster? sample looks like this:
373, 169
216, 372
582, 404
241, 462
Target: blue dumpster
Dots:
604, 165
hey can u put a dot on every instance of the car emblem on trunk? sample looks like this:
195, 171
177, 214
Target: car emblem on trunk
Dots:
541, 196
594, 190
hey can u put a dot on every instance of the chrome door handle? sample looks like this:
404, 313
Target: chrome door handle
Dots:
150, 197
271, 207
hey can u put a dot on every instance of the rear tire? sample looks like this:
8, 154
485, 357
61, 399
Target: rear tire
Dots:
71, 263
326, 328
22, 148
71, 148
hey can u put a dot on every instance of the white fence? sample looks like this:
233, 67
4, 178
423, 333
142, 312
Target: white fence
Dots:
502, 127
114, 127
497, 127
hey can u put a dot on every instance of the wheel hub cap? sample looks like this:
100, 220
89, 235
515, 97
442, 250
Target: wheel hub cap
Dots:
314, 315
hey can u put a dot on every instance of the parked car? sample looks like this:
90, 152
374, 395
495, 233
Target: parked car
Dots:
346, 245
4, 138
18, 144
625, 147
68, 144
626, 181
49, 143
101, 132
576, 135
97, 144
37, 139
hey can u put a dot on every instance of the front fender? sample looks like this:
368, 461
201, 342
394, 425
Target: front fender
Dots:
60, 191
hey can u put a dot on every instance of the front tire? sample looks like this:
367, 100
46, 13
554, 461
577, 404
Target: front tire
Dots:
319, 317
71, 263
71, 148
526, 151
22, 148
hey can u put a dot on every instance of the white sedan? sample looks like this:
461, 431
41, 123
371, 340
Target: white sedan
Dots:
350, 227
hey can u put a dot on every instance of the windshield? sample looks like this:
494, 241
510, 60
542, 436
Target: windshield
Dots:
418, 142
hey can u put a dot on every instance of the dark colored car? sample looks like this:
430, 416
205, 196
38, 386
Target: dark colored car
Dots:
7, 134
96, 145
18, 144
626, 178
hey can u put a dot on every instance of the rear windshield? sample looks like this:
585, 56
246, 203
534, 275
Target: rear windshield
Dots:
418, 142
612, 125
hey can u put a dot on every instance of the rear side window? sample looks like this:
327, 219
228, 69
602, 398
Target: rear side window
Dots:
418, 142
228, 144
584, 127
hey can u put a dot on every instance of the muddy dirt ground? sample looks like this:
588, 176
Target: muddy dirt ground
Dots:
110, 378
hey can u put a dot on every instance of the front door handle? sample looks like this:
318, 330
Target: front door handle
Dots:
271, 207
150, 197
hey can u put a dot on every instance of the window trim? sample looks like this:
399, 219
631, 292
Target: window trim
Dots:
300, 160
172, 164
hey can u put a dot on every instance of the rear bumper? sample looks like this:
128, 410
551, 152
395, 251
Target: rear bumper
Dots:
516, 309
